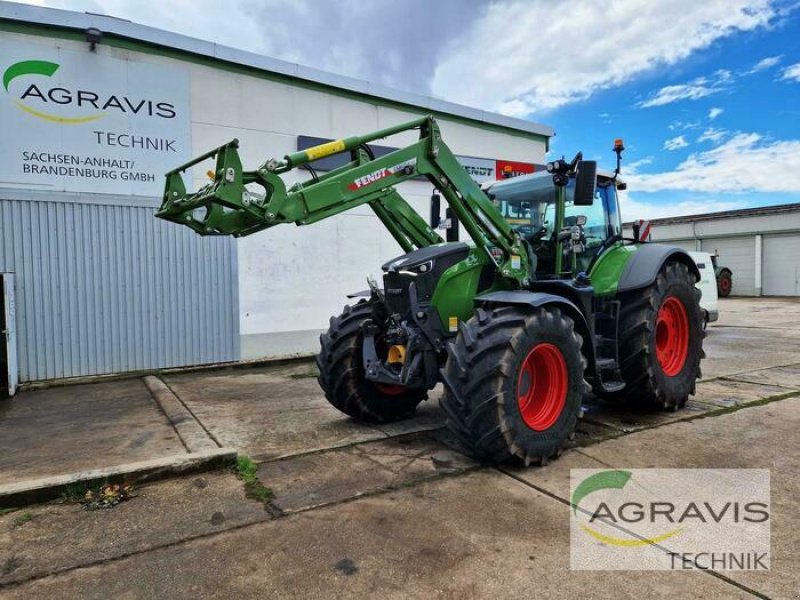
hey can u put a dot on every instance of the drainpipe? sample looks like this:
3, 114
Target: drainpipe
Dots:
758, 265
698, 245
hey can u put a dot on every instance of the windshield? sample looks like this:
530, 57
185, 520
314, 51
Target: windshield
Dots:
528, 204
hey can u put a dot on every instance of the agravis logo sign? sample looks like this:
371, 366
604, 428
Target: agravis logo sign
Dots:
95, 122
606, 480
670, 519
40, 100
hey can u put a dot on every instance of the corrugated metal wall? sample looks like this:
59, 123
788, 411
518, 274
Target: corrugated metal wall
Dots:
104, 287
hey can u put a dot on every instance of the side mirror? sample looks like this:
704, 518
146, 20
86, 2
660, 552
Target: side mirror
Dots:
436, 210
452, 227
585, 182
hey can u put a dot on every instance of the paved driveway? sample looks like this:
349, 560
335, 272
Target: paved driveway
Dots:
396, 511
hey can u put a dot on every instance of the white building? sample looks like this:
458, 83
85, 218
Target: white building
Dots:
761, 246
95, 109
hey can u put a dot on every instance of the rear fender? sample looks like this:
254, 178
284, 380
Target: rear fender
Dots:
644, 266
539, 300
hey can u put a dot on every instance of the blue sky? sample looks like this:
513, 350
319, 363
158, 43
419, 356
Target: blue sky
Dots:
750, 93
705, 94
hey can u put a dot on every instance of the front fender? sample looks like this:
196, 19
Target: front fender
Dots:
538, 300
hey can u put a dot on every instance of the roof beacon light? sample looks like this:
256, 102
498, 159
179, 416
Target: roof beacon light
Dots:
618, 148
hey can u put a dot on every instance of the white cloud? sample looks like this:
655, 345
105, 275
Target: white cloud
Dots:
697, 88
745, 163
764, 64
791, 73
382, 41
634, 166
715, 112
712, 134
676, 143
634, 208
684, 125
525, 57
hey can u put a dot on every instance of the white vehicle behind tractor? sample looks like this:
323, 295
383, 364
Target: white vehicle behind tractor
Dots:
707, 285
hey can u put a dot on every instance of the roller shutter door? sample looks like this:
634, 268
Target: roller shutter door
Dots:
781, 265
688, 245
107, 288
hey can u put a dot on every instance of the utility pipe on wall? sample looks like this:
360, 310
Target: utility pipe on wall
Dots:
757, 277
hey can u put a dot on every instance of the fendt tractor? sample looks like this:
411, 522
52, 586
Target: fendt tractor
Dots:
547, 302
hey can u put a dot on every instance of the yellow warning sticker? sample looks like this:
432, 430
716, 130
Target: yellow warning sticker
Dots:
453, 324
515, 261
324, 150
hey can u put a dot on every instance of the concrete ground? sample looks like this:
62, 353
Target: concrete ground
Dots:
74, 428
397, 511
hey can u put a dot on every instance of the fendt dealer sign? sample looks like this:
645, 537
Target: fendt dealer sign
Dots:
82, 122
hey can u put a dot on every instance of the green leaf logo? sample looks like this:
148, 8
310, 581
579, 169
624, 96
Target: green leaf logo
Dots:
45, 68
615, 480
599, 481
29, 67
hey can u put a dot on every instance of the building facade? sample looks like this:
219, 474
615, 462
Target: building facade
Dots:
95, 109
761, 246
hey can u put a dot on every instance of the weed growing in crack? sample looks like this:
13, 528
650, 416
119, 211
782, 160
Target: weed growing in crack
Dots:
247, 471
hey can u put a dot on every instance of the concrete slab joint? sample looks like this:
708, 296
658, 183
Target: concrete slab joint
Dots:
192, 433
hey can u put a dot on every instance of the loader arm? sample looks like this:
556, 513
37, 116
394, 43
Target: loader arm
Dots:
239, 202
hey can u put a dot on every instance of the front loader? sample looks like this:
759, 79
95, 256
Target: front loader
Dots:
544, 304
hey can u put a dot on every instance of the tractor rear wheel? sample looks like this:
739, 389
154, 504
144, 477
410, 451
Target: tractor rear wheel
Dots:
514, 383
661, 341
724, 284
341, 371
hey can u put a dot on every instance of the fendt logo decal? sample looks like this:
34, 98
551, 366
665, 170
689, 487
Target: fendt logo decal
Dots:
40, 100
404, 168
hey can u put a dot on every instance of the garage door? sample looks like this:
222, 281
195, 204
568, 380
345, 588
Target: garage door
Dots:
781, 260
107, 288
738, 254
688, 245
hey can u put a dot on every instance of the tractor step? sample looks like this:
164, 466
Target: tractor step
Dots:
605, 364
609, 375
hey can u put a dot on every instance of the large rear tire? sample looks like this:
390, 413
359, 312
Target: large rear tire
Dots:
724, 284
661, 341
514, 383
341, 371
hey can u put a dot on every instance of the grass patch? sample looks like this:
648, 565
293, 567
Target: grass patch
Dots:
247, 471
23, 518
75, 491
98, 493
304, 375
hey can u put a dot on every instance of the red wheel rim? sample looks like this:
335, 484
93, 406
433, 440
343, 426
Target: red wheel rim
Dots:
672, 336
390, 390
542, 386
725, 284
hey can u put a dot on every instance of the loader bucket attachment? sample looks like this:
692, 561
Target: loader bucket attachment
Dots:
224, 206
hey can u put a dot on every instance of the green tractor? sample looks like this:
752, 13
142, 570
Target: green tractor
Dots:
546, 303
723, 275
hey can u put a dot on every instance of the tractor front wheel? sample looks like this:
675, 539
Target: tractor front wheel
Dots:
341, 371
661, 341
514, 383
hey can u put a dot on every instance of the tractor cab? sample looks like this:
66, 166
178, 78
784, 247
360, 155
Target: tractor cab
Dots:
528, 203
